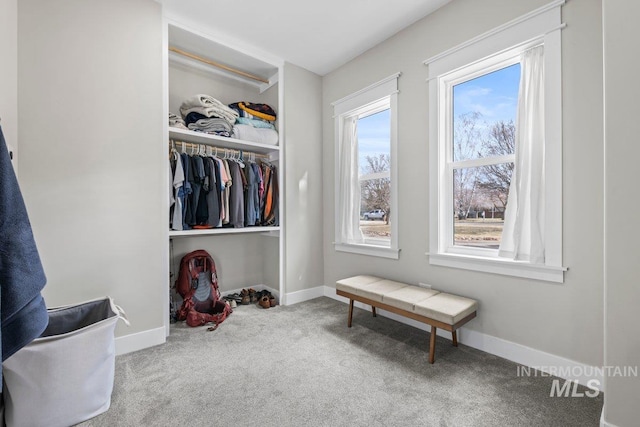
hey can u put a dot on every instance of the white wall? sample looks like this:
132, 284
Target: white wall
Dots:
93, 156
239, 258
304, 178
9, 74
561, 319
622, 291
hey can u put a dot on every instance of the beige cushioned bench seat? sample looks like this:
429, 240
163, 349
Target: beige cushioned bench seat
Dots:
438, 309
446, 308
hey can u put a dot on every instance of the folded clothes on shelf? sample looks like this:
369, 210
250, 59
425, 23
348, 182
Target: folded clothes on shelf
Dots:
252, 110
250, 133
199, 122
256, 123
176, 121
208, 106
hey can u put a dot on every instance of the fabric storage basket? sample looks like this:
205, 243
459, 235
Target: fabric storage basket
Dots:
65, 376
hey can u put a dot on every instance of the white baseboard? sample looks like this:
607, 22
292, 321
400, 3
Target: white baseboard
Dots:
514, 352
141, 340
304, 295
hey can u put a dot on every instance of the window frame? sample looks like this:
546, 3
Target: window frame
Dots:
370, 100
486, 53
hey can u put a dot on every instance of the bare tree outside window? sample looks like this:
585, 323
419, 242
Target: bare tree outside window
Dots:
376, 184
480, 193
467, 134
500, 141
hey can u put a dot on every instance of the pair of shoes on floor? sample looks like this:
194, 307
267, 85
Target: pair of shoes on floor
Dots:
266, 300
232, 302
233, 299
248, 296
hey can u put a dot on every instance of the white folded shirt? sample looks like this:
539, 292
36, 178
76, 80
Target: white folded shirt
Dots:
261, 135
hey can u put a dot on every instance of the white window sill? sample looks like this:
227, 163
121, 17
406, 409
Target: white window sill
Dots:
499, 266
371, 250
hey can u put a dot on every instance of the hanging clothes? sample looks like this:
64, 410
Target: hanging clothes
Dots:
270, 201
177, 183
236, 196
212, 192
228, 185
188, 200
198, 179
252, 203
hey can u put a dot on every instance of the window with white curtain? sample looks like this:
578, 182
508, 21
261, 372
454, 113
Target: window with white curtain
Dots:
496, 150
366, 179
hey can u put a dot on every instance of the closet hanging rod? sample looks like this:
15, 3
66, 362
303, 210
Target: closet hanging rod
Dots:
218, 65
179, 144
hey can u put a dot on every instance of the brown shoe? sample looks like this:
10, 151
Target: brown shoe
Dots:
246, 299
253, 295
264, 302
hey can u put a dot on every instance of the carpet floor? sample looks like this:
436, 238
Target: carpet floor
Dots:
300, 365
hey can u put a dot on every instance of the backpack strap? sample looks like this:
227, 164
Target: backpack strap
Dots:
192, 275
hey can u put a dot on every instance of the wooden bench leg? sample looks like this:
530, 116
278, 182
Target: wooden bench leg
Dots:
454, 334
350, 313
432, 345
373, 310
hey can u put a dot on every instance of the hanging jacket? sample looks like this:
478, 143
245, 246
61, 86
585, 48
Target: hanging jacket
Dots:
23, 314
236, 197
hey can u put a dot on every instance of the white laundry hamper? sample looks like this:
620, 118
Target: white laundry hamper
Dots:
65, 376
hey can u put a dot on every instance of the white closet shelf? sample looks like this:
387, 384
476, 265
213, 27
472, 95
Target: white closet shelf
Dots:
220, 141
188, 233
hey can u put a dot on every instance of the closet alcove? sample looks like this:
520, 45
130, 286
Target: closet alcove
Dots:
197, 64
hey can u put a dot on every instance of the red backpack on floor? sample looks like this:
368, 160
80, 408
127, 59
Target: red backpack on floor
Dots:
197, 284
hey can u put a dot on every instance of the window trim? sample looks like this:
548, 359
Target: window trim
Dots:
366, 101
541, 26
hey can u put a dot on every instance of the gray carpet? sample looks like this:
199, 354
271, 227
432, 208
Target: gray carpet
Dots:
301, 366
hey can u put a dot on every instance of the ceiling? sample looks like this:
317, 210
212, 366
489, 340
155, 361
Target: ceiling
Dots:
317, 35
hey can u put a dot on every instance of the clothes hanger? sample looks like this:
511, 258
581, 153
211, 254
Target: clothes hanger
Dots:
174, 152
240, 159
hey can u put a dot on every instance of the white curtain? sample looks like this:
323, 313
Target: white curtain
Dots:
349, 185
523, 233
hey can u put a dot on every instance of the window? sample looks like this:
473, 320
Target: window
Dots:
483, 155
365, 125
495, 151
374, 166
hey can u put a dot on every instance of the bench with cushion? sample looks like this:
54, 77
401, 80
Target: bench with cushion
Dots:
438, 309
